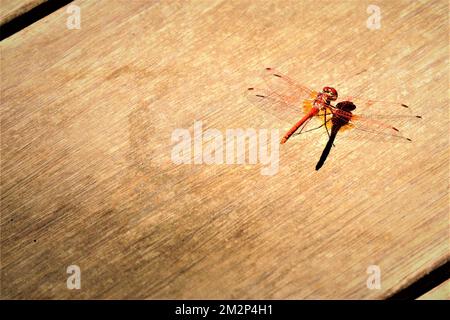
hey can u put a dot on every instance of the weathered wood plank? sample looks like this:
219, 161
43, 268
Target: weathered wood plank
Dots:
87, 177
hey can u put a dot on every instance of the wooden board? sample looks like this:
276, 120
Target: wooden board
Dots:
87, 177
441, 292
12, 8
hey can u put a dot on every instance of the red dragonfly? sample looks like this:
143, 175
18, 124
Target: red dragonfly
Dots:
285, 99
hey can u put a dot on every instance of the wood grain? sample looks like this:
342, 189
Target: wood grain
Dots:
87, 178
441, 292
13, 8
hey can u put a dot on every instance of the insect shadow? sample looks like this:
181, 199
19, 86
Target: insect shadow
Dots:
337, 122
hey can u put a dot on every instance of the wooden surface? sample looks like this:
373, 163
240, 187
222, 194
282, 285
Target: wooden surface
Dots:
441, 292
9, 9
87, 177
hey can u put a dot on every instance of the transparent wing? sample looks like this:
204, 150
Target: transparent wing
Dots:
384, 127
379, 107
281, 96
381, 128
284, 107
282, 84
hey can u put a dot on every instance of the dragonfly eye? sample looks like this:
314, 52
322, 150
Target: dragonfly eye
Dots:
331, 93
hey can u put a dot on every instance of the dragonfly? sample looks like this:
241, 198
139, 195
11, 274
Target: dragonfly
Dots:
285, 99
319, 101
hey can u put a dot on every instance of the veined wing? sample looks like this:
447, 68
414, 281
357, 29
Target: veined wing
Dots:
284, 107
282, 84
281, 96
382, 127
380, 107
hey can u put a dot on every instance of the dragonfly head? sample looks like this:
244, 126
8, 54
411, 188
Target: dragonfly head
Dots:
331, 93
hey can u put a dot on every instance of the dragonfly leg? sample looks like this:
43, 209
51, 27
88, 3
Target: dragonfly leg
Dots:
302, 127
326, 128
301, 130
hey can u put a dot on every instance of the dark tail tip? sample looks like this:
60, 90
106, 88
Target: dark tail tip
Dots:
318, 166
404, 106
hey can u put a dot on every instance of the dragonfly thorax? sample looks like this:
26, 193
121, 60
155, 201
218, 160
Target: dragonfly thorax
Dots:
322, 101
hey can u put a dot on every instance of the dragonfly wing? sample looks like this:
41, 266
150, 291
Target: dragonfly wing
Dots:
281, 96
364, 106
282, 84
380, 127
284, 107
